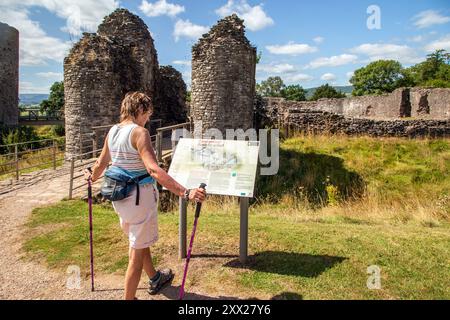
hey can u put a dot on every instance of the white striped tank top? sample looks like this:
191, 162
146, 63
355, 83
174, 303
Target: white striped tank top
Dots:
123, 155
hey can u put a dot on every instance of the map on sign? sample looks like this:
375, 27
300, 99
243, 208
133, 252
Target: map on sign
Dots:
228, 167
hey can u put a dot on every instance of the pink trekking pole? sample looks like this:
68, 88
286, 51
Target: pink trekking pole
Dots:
91, 245
197, 214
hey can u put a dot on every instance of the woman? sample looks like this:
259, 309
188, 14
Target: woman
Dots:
128, 146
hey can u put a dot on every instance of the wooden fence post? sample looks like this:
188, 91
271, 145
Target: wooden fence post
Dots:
16, 158
55, 146
94, 144
159, 145
72, 169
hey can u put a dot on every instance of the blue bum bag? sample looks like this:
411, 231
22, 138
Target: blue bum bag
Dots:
117, 185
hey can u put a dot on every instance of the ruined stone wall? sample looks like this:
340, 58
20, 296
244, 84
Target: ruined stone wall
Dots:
91, 90
407, 112
170, 97
392, 105
100, 69
315, 121
430, 103
223, 77
421, 103
9, 75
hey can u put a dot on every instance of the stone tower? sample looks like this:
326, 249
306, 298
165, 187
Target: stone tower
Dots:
223, 77
9, 75
100, 69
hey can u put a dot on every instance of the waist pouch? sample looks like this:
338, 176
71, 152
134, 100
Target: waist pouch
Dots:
118, 186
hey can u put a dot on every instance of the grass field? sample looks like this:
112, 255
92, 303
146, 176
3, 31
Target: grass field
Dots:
337, 206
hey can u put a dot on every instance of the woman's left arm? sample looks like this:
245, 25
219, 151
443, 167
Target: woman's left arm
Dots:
102, 162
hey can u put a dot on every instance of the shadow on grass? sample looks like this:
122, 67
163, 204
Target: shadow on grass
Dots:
310, 175
287, 263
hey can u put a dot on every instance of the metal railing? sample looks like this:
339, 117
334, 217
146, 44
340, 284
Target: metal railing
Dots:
160, 136
38, 115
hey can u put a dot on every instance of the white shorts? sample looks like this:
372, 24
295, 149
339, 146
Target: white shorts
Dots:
139, 223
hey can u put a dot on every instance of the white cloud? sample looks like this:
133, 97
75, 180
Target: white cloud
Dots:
254, 17
184, 28
333, 61
160, 8
416, 39
328, 77
182, 62
429, 18
350, 74
50, 75
296, 78
378, 51
28, 87
276, 68
80, 16
291, 48
442, 43
318, 40
36, 47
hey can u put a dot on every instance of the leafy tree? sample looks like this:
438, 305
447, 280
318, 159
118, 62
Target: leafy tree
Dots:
326, 91
188, 96
55, 101
18, 135
433, 72
271, 87
258, 57
378, 77
294, 93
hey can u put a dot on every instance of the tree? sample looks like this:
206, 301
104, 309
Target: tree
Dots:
294, 93
326, 91
55, 101
271, 87
433, 72
378, 77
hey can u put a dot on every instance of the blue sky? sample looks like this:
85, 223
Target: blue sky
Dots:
304, 42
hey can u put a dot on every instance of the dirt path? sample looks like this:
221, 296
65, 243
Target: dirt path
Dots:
20, 279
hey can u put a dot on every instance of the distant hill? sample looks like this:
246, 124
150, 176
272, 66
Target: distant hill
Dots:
31, 98
344, 89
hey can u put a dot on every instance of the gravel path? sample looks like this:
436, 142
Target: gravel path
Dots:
20, 279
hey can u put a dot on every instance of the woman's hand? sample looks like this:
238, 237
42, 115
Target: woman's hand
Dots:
198, 195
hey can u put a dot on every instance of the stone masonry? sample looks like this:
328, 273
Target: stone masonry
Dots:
101, 68
223, 77
9, 75
170, 96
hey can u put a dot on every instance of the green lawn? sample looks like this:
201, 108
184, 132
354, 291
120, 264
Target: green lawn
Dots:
337, 206
322, 259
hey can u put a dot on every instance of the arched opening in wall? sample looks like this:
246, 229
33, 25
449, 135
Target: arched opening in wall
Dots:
405, 107
424, 107
369, 110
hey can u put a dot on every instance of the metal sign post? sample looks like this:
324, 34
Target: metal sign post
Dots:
227, 167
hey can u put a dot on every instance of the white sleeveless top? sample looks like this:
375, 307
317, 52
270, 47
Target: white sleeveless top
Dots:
124, 155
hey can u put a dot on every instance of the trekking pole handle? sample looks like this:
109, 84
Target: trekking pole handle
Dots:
199, 204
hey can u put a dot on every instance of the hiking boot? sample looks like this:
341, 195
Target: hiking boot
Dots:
165, 277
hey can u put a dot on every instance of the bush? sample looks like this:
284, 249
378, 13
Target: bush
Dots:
59, 130
18, 135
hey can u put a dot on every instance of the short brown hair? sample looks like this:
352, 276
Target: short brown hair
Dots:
132, 104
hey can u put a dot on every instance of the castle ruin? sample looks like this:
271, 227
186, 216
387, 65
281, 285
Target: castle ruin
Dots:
223, 78
9, 75
101, 68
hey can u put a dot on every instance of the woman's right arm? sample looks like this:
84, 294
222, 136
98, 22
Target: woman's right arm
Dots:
144, 147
